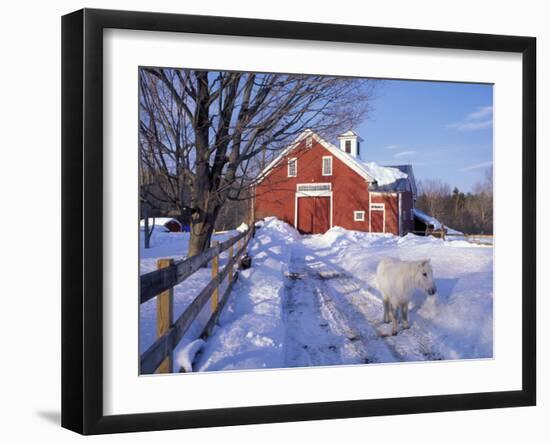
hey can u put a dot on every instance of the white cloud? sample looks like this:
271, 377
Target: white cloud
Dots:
481, 118
404, 154
471, 126
481, 113
478, 166
393, 147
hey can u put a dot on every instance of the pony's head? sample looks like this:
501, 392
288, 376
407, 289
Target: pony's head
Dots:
424, 277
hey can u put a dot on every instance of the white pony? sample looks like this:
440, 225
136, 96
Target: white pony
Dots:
397, 280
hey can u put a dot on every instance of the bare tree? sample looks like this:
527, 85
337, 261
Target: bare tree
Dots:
470, 213
207, 134
434, 197
483, 205
147, 231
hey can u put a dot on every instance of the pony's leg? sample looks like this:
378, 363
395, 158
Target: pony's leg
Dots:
386, 303
394, 313
405, 315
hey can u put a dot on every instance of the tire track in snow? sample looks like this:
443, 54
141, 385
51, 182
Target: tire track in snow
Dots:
317, 332
350, 311
362, 304
309, 339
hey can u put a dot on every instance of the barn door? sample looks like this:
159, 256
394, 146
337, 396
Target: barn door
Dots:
322, 212
313, 215
377, 217
306, 210
377, 221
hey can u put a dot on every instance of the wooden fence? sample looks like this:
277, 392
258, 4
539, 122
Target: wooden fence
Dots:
480, 239
160, 284
439, 233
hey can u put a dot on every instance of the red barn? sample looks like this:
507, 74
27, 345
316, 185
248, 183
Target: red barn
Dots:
313, 185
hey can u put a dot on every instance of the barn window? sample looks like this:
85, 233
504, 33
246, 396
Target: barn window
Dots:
358, 149
348, 146
327, 165
359, 215
314, 187
292, 167
309, 142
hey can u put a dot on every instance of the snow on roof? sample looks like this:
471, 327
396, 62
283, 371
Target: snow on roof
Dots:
429, 220
383, 175
158, 221
408, 169
350, 134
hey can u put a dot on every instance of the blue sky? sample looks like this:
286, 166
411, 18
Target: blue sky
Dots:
445, 130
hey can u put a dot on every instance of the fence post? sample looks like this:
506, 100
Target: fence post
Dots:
165, 315
229, 257
215, 267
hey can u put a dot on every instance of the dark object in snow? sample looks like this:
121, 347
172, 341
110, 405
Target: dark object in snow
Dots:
294, 275
327, 275
246, 262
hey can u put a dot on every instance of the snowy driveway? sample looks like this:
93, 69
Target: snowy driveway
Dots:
322, 328
333, 317
312, 301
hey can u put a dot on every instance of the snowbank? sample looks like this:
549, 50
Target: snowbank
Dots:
186, 353
243, 227
252, 331
338, 237
279, 230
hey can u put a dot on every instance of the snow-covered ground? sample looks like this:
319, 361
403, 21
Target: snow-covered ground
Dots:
313, 300
174, 245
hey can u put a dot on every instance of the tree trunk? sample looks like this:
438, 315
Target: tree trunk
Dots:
146, 236
147, 233
201, 234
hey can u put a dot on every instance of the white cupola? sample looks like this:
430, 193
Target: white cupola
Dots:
350, 143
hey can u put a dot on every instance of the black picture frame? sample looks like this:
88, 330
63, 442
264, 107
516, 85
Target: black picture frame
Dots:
82, 229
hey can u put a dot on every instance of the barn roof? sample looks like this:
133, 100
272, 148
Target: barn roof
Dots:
407, 183
427, 219
383, 175
350, 134
384, 178
346, 158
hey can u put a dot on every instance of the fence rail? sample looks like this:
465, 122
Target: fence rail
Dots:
165, 278
472, 238
160, 280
